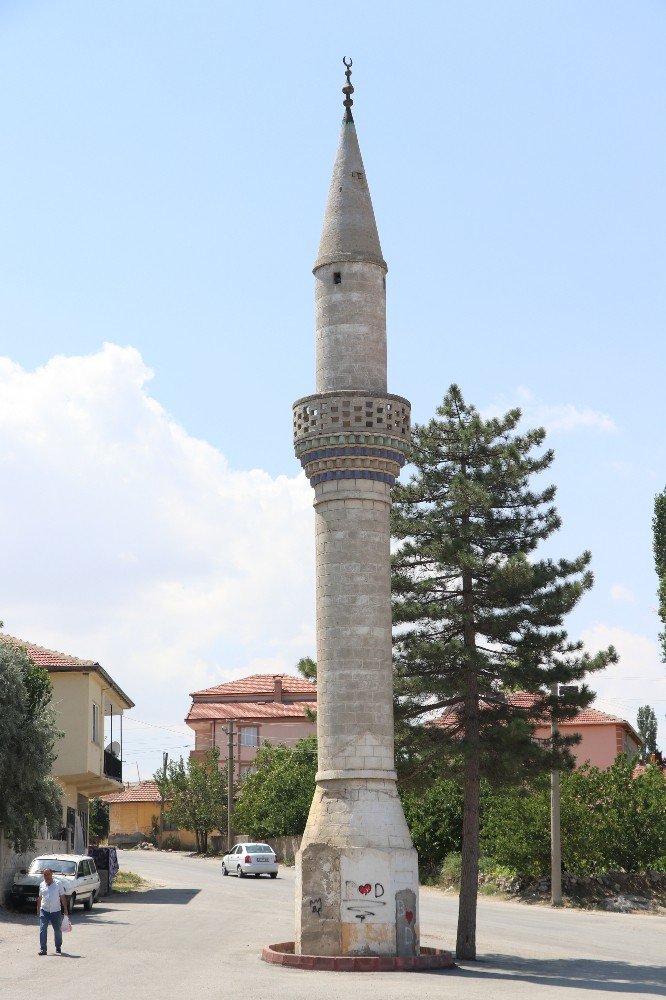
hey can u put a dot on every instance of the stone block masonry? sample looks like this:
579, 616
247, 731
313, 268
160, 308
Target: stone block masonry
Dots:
357, 870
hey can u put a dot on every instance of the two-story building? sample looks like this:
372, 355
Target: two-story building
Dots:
602, 736
89, 708
263, 707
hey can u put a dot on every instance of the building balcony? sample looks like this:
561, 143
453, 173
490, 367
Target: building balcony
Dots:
113, 767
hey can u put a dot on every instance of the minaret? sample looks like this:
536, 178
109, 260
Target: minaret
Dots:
357, 875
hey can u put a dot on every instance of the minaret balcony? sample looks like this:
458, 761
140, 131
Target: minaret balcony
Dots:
350, 435
350, 413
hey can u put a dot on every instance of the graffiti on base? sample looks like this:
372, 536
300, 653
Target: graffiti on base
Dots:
362, 912
351, 888
315, 906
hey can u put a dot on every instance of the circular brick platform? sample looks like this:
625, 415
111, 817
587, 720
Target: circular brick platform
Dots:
430, 958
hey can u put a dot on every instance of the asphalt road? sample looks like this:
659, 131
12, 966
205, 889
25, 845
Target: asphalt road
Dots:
198, 934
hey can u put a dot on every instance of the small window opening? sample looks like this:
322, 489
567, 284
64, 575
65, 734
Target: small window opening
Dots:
337, 278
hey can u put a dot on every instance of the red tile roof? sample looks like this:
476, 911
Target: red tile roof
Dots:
57, 662
46, 657
204, 710
260, 686
524, 699
145, 791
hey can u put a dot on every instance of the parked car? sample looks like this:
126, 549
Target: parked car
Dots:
77, 873
250, 859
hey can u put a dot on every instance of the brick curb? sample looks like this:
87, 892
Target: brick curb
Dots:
430, 958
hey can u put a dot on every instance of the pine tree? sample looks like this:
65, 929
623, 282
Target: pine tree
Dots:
477, 616
659, 533
646, 723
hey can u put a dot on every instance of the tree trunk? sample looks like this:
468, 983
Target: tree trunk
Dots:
469, 870
198, 839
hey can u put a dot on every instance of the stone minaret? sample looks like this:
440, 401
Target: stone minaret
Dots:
357, 877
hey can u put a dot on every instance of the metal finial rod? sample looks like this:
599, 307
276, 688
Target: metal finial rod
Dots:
348, 90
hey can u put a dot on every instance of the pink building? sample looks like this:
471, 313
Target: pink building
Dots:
262, 707
603, 736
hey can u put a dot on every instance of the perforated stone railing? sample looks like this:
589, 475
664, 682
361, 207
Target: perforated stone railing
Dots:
351, 412
347, 435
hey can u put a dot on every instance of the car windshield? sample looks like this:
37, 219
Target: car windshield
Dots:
259, 849
57, 867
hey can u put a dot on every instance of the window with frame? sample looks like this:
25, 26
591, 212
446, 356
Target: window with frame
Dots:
249, 736
95, 723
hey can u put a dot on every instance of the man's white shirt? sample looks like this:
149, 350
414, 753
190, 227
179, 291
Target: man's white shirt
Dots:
50, 895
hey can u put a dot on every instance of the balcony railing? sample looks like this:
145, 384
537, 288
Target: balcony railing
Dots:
113, 768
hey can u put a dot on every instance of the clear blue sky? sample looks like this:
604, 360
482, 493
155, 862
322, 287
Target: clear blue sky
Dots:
163, 178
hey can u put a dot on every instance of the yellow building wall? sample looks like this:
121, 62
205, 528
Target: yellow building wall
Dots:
137, 817
71, 701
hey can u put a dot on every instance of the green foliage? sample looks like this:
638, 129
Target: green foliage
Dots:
195, 794
449, 871
659, 542
307, 667
28, 732
98, 818
434, 817
610, 821
275, 800
171, 842
646, 724
478, 617
516, 829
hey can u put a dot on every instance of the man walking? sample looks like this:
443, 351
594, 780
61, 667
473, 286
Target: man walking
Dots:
51, 905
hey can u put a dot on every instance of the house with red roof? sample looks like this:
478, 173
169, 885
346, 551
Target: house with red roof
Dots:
134, 814
273, 707
602, 736
89, 707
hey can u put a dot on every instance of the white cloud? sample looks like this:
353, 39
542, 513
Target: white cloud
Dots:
562, 417
129, 541
638, 679
622, 594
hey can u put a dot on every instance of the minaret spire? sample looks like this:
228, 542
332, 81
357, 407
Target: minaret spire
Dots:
348, 90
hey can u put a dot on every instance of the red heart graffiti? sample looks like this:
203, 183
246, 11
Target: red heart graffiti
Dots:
365, 889
409, 916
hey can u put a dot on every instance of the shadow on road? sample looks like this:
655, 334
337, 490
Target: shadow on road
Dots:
172, 896
576, 973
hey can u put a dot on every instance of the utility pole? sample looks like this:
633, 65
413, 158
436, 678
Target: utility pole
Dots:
555, 844
230, 785
165, 760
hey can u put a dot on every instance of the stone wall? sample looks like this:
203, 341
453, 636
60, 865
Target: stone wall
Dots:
11, 862
285, 848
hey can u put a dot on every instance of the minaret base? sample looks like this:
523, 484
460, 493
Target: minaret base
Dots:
357, 873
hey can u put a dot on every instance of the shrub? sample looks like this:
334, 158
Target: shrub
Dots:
171, 843
449, 873
609, 821
434, 817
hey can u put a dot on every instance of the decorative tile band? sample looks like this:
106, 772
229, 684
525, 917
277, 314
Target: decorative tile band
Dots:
364, 451
380, 477
336, 440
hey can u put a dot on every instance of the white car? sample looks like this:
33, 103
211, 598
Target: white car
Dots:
250, 859
77, 872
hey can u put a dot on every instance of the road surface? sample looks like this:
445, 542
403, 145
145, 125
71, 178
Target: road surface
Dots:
200, 935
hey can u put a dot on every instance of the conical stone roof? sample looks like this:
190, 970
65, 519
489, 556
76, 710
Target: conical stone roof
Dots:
349, 231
